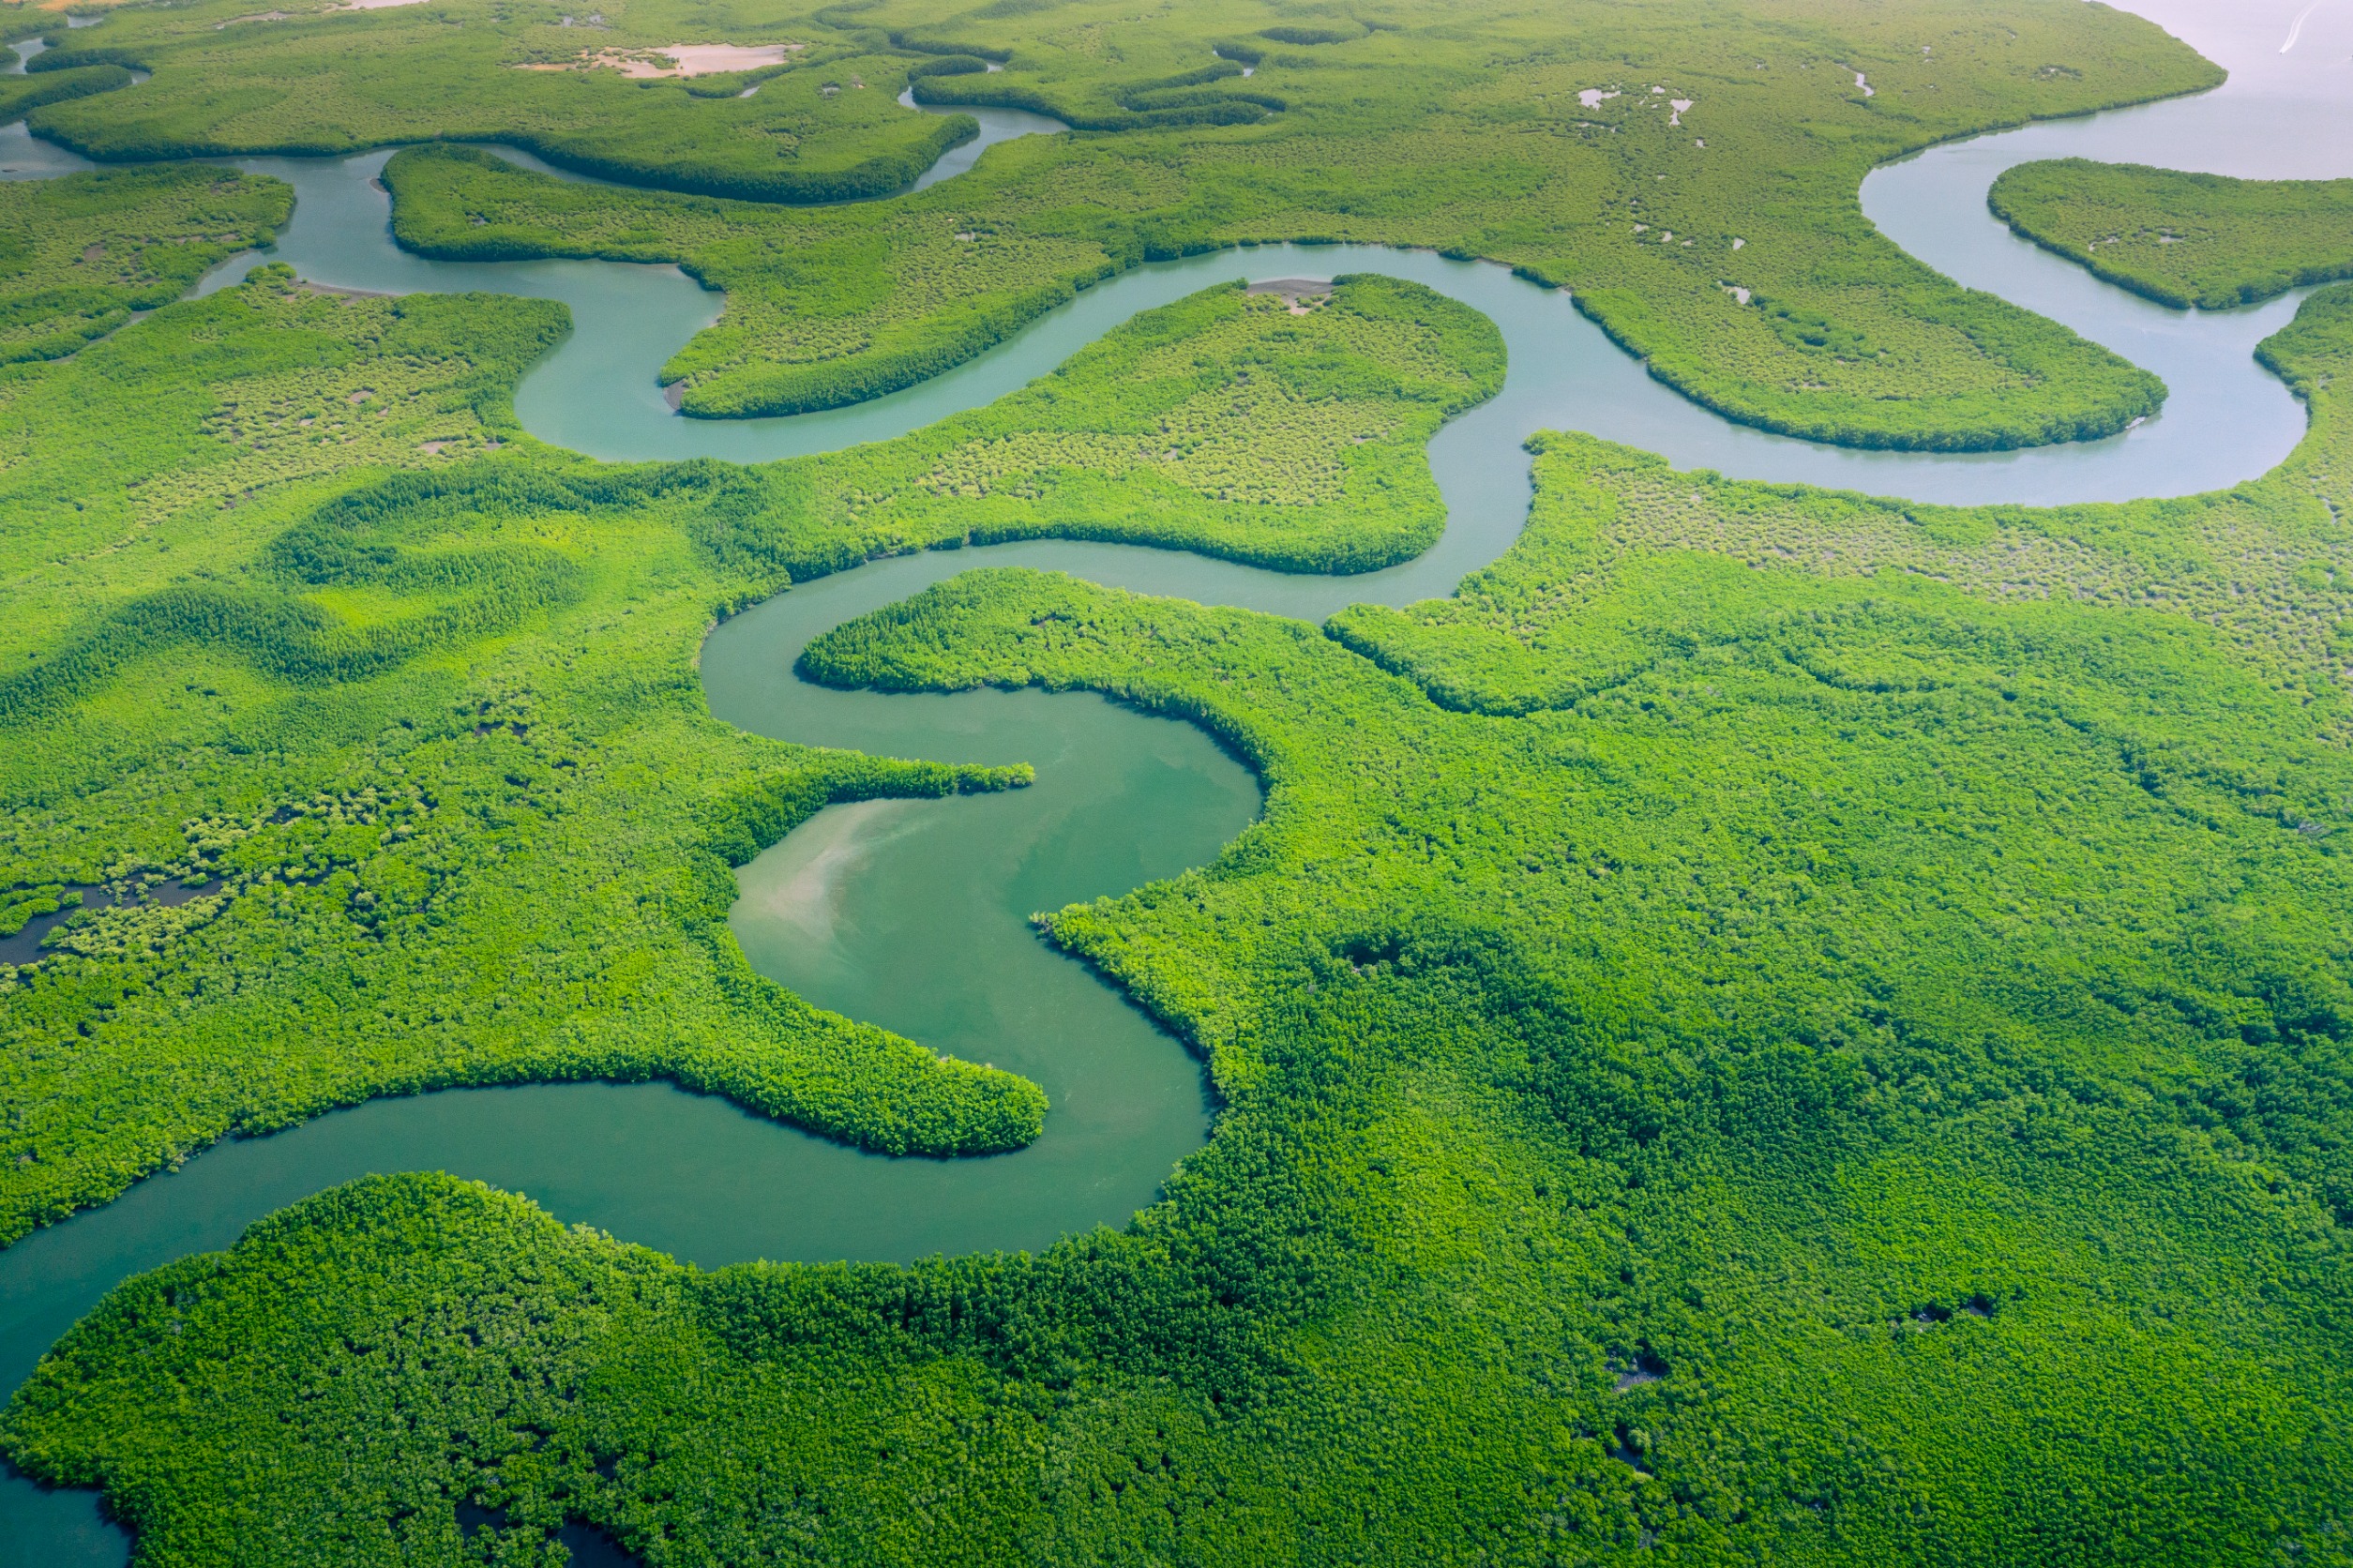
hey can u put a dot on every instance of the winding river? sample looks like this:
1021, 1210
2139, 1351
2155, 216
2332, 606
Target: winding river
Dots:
914, 915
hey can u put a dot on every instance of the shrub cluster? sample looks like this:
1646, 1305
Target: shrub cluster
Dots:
2183, 239
1771, 1026
1768, 299
79, 254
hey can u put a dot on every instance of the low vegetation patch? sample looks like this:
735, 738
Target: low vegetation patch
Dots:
1771, 1025
330, 82
420, 728
1897, 1018
2183, 239
1693, 180
80, 254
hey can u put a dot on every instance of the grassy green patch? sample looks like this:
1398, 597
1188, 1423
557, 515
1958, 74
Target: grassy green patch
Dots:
1772, 1026
79, 254
1901, 1021
2265, 564
2183, 239
231, 80
441, 723
1239, 425
1901, 1017
1466, 133
20, 95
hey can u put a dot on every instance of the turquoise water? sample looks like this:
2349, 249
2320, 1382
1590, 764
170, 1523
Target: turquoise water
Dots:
911, 914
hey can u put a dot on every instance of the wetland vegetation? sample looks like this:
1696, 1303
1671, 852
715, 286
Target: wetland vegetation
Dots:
1771, 1025
1770, 301
249, 603
79, 254
2183, 239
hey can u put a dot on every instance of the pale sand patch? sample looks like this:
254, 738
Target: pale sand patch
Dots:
1301, 295
1594, 98
677, 59
801, 886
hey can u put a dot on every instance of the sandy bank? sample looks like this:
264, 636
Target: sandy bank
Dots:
677, 59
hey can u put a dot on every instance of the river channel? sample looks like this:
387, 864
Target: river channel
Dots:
914, 915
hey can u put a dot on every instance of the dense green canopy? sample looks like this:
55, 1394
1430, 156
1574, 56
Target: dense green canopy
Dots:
2183, 239
1769, 1026
1653, 159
